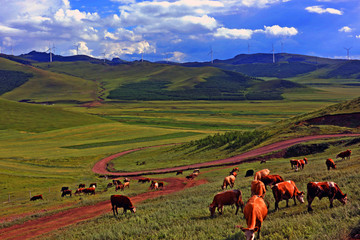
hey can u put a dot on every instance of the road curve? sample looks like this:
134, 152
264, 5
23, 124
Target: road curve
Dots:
100, 167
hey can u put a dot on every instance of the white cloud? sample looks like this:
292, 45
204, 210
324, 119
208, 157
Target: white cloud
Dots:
122, 48
82, 49
321, 10
233, 33
177, 57
345, 29
357, 36
274, 30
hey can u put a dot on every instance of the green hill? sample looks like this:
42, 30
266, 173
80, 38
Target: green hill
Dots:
25, 82
38, 118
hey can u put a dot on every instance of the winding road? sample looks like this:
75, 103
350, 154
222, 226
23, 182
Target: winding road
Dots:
47, 224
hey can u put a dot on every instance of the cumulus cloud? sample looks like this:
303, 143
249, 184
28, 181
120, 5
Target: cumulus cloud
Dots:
321, 10
274, 30
357, 36
120, 49
177, 56
345, 29
82, 49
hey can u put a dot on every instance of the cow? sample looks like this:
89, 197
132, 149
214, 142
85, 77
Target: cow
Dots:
36, 197
154, 185
89, 191
196, 170
161, 184
301, 163
344, 155
116, 182
120, 187
293, 162
92, 185
179, 172
79, 190
126, 179
109, 185
234, 170
324, 189
192, 176
121, 201
330, 164
64, 188
249, 173
66, 192
261, 173
229, 197
126, 184
143, 180
305, 160
258, 188
81, 185
271, 180
255, 212
228, 181
285, 191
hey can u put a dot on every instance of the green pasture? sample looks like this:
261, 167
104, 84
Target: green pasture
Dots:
185, 215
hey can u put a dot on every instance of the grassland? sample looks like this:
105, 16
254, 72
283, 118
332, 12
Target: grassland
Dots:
185, 215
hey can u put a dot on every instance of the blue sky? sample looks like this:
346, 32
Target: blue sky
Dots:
181, 30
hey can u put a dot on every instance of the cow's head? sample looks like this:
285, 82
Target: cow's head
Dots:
250, 232
133, 210
212, 208
343, 200
300, 197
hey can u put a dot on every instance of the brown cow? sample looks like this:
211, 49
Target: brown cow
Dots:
330, 164
293, 162
154, 185
81, 185
90, 190
179, 172
255, 212
258, 188
79, 190
261, 173
92, 185
121, 201
324, 189
66, 192
144, 180
285, 191
192, 176
228, 181
234, 170
120, 187
271, 180
36, 197
229, 197
344, 155
161, 184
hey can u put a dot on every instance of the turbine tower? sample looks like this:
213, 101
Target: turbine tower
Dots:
77, 48
104, 55
273, 51
212, 55
348, 52
50, 53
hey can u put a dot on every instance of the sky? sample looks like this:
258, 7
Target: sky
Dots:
180, 30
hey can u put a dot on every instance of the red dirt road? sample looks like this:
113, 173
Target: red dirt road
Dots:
47, 224
100, 167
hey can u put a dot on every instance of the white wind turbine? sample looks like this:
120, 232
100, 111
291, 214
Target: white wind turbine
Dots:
50, 53
77, 48
212, 55
348, 52
273, 51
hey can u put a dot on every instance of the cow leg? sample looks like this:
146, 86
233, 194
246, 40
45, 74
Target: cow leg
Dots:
331, 199
287, 202
294, 200
237, 208
221, 209
310, 199
276, 205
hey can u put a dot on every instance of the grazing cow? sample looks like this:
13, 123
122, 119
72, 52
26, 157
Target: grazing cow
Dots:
154, 185
119, 187
258, 188
324, 189
161, 184
116, 182
293, 163
234, 170
126, 184
89, 191
344, 155
36, 197
196, 170
249, 173
192, 176
92, 185
306, 160
64, 188
126, 179
255, 212
79, 190
82, 185
144, 180
121, 201
228, 181
271, 180
261, 173
229, 197
285, 191
66, 192
330, 164
301, 164
110, 185
179, 172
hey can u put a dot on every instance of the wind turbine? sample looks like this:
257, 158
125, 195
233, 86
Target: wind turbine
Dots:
50, 53
212, 55
273, 51
348, 52
104, 55
77, 48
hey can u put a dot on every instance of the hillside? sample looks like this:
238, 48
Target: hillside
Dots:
37, 118
21, 82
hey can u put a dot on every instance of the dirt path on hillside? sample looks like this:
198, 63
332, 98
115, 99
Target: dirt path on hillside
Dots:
43, 225
100, 167
47, 224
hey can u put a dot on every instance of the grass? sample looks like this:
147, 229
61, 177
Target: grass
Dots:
185, 215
